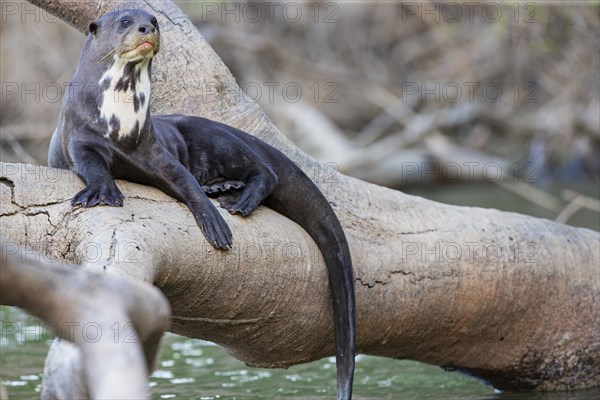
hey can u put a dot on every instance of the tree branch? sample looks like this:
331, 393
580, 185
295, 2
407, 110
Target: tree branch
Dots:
114, 322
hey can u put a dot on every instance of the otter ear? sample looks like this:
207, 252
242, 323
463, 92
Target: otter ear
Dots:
93, 28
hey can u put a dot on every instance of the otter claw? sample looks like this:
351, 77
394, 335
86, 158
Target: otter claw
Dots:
98, 195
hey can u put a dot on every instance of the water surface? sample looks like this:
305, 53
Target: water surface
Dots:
194, 369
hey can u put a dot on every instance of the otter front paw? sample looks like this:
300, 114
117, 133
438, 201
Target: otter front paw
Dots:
215, 229
103, 194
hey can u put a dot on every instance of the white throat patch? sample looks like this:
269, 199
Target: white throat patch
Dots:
125, 97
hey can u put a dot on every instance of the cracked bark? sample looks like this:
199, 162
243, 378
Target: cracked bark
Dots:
509, 298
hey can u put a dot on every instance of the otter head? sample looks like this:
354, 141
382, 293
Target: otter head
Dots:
118, 53
130, 35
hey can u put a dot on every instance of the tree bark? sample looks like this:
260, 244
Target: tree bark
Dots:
506, 297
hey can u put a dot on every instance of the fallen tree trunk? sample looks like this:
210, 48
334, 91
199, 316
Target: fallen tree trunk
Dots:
506, 297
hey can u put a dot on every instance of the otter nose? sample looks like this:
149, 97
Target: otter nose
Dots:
145, 29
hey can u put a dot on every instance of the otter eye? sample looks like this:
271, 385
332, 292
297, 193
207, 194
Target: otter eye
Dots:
125, 22
154, 22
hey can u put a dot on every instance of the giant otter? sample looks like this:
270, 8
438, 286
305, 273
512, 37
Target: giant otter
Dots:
105, 131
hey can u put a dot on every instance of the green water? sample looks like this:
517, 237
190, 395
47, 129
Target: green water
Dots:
193, 369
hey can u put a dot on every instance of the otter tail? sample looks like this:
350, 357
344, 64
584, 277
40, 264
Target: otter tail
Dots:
299, 199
